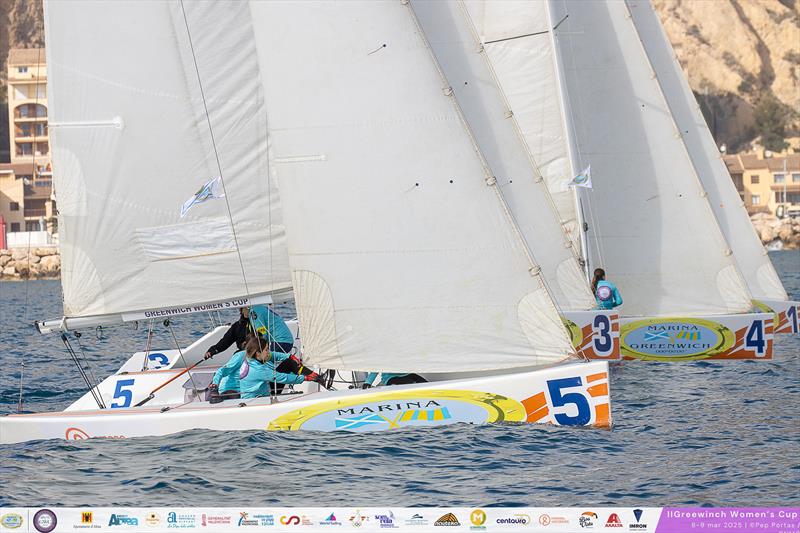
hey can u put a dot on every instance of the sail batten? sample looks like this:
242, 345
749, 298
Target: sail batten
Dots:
399, 174
132, 143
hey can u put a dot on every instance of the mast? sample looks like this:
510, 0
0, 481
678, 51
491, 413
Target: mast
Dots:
566, 112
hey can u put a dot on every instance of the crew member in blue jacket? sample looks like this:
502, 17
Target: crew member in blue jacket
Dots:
258, 371
605, 292
226, 379
271, 326
391, 379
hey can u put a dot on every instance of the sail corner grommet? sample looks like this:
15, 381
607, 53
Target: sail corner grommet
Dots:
535, 270
491, 180
728, 252
448, 91
479, 48
509, 114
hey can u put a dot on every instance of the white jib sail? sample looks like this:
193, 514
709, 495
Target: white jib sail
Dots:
658, 237
750, 254
516, 39
457, 47
403, 257
131, 143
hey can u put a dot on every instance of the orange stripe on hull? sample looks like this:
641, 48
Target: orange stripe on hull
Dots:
538, 415
595, 377
602, 415
534, 403
601, 389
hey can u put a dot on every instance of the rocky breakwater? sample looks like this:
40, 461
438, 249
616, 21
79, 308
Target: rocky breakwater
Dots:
36, 263
777, 233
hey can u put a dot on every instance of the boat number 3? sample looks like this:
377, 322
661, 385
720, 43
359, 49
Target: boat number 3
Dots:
159, 359
123, 393
558, 399
754, 339
603, 343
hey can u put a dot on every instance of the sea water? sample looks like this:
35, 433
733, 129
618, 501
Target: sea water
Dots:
698, 433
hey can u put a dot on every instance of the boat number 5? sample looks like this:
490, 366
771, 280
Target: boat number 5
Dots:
555, 386
603, 344
754, 339
122, 393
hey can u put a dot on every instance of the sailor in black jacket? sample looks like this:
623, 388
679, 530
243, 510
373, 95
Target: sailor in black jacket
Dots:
236, 333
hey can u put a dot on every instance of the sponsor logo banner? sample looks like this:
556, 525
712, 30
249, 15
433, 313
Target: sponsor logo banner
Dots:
529, 519
201, 308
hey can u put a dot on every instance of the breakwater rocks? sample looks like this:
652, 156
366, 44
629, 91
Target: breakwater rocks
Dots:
38, 263
777, 233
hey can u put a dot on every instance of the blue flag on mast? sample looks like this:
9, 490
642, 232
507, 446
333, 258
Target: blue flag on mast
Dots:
212, 189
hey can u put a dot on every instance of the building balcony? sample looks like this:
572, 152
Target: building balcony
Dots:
37, 192
35, 212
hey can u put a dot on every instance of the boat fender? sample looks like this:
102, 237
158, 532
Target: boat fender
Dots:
604, 293
244, 369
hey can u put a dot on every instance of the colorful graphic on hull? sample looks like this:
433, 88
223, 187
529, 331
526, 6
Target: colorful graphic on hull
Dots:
670, 339
392, 410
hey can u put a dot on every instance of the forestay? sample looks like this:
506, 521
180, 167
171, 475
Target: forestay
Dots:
131, 143
403, 256
750, 254
659, 238
457, 47
516, 38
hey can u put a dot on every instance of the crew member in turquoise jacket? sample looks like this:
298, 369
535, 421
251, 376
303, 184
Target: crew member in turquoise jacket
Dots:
605, 292
258, 371
226, 379
272, 327
388, 378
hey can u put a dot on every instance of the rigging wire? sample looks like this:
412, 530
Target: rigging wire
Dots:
168, 324
21, 374
88, 366
94, 392
148, 346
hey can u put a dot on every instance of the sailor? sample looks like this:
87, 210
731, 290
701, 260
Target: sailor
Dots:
258, 372
271, 326
387, 378
605, 292
226, 378
236, 333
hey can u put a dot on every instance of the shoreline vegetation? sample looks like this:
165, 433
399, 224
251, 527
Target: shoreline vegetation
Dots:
18, 264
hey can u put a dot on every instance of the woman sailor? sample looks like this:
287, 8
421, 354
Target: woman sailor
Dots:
258, 371
605, 292
387, 378
258, 318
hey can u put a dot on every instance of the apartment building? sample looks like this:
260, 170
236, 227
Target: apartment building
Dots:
766, 180
27, 203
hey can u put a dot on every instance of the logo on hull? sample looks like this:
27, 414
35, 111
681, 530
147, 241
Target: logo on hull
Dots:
675, 338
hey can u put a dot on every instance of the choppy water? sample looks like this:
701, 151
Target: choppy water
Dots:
698, 433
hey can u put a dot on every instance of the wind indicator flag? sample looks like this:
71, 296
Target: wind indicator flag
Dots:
212, 189
583, 179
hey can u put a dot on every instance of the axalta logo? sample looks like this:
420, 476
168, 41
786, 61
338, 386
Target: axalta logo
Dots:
11, 521
675, 338
613, 520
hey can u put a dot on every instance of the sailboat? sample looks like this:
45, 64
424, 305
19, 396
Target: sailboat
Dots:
400, 246
592, 85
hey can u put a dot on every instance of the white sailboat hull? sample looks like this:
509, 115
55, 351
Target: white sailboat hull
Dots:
569, 394
787, 315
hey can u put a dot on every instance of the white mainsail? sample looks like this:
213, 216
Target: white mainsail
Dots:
131, 142
457, 47
750, 254
516, 38
403, 256
658, 237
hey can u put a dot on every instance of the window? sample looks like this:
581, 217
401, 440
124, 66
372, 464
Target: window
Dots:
754, 179
778, 197
32, 225
22, 70
779, 178
755, 199
14, 227
793, 198
796, 177
14, 206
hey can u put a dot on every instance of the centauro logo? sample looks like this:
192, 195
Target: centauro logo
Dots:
392, 410
669, 339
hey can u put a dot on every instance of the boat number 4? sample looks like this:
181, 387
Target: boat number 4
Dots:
123, 394
754, 339
561, 399
603, 342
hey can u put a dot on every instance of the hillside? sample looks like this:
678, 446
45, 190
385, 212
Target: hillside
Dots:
735, 52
